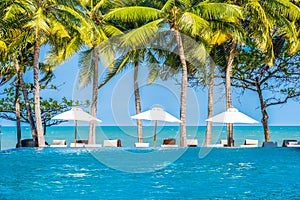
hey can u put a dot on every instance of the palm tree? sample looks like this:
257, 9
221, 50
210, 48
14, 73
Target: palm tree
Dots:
12, 39
190, 17
38, 17
86, 19
261, 19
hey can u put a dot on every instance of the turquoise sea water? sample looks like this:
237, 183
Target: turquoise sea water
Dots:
128, 134
154, 173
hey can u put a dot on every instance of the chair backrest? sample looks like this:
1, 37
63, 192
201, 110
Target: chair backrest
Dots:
224, 142
251, 142
112, 143
82, 141
170, 141
59, 142
286, 142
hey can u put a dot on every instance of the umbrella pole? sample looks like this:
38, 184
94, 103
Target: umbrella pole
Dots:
230, 141
75, 137
155, 126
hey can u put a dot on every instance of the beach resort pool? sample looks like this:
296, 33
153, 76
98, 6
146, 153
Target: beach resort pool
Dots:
222, 173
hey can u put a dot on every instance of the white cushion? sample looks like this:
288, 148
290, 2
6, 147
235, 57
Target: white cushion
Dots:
192, 142
59, 142
54, 145
169, 145
223, 142
251, 142
77, 145
249, 145
215, 145
93, 145
110, 143
141, 144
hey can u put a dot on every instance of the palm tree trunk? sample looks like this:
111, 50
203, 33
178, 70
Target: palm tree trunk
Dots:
208, 133
137, 99
265, 116
229, 127
37, 107
183, 89
92, 132
27, 103
18, 113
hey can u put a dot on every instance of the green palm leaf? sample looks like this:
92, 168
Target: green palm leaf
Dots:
192, 23
133, 14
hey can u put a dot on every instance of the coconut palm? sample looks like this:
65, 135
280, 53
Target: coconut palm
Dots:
89, 28
38, 17
261, 20
190, 17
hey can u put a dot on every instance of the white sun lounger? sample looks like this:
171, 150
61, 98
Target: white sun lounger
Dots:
93, 145
58, 143
293, 144
77, 145
141, 145
250, 143
112, 143
169, 145
192, 142
215, 145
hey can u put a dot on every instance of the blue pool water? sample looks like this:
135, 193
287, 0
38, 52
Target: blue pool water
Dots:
154, 173
258, 173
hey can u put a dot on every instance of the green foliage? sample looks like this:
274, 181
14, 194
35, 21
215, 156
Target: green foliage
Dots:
277, 84
49, 107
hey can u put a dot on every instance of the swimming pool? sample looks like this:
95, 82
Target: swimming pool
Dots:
69, 173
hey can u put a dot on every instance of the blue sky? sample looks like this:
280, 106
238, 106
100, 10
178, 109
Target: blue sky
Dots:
116, 100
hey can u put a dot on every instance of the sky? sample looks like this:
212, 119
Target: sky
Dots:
116, 99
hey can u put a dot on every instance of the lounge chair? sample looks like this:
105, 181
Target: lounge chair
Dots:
141, 145
169, 143
293, 144
112, 143
285, 143
192, 142
250, 143
224, 143
269, 144
79, 143
93, 145
58, 143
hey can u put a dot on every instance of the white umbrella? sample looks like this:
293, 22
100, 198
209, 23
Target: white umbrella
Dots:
231, 116
156, 114
76, 114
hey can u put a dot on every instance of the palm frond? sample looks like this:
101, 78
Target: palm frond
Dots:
141, 36
111, 30
133, 14
192, 23
291, 35
218, 11
283, 7
118, 66
168, 6
39, 22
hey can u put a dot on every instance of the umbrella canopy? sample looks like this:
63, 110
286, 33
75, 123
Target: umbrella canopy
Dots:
156, 114
231, 116
76, 114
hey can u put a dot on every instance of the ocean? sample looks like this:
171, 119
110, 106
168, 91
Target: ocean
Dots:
151, 173
128, 134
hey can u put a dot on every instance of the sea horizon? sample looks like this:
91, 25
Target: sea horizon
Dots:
128, 134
